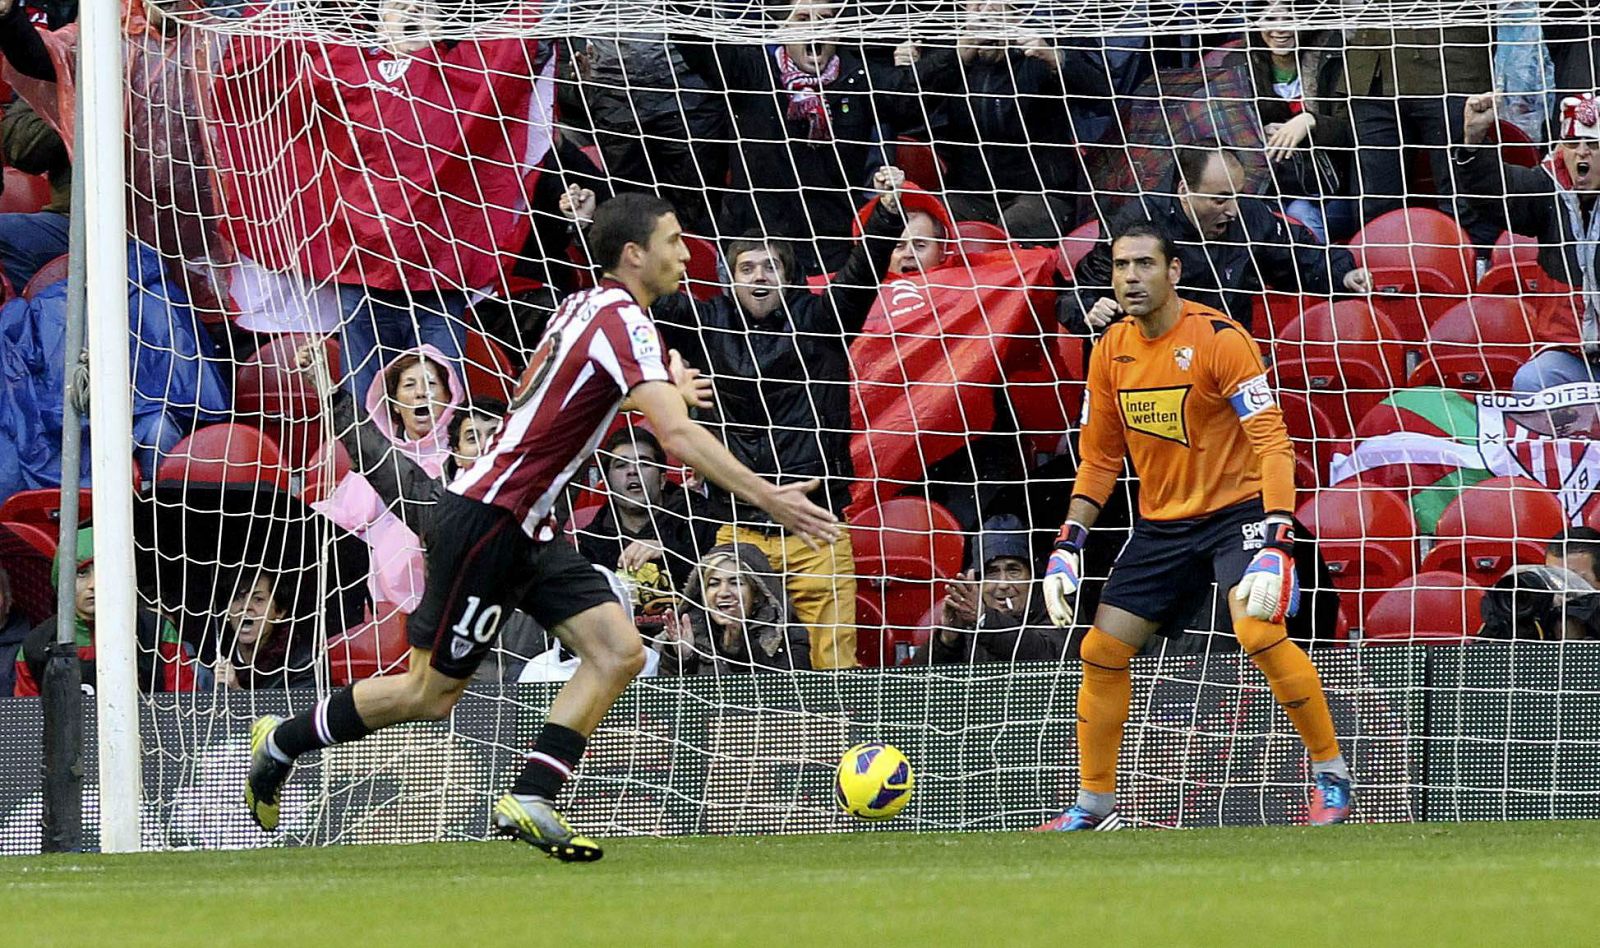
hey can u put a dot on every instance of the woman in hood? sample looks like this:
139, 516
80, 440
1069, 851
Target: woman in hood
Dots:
736, 619
401, 446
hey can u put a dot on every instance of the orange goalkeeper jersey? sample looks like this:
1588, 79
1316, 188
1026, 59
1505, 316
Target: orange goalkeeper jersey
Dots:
1194, 411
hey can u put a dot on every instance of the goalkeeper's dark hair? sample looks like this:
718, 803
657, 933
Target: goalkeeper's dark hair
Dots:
1141, 227
750, 240
623, 220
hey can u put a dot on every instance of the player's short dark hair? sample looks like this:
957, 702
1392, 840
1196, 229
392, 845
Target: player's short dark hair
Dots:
1576, 540
623, 220
1147, 228
630, 436
1195, 157
750, 240
477, 408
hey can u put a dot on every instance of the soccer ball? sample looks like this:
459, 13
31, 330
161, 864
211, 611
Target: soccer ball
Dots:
874, 782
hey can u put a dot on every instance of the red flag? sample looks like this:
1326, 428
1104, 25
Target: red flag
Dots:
927, 364
392, 170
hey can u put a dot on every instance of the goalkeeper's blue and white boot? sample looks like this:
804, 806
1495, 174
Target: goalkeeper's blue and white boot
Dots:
535, 821
267, 775
1077, 819
1330, 800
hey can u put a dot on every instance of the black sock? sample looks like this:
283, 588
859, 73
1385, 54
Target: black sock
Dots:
554, 756
333, 720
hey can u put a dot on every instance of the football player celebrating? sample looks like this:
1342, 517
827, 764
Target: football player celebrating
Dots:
1182, 389
494, 546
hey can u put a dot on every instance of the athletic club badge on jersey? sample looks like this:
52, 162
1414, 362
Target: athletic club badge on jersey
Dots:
1184, 356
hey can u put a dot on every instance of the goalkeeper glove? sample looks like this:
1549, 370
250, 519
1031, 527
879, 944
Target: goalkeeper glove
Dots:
1064, 574
1269, 590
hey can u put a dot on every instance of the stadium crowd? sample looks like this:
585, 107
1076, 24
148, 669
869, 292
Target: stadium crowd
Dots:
334, 287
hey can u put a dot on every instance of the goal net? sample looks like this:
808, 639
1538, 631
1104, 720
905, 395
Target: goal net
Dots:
350, 222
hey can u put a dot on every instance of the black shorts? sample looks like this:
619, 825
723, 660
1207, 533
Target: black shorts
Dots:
481, 565
1165, 571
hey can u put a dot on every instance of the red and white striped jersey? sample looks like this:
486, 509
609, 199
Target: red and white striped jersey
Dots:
598, 346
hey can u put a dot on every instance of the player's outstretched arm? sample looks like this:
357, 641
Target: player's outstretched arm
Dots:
663, 404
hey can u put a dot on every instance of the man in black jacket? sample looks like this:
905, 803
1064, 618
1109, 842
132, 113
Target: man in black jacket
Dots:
807, 122
779, 357
995, 617
1006, 128
1558, 203
1232, 247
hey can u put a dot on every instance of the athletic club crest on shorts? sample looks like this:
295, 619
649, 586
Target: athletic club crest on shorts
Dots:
1184, 356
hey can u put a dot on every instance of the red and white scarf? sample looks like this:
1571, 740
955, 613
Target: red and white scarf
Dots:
805, 93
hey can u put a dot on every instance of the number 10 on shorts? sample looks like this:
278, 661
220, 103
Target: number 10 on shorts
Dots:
468, 631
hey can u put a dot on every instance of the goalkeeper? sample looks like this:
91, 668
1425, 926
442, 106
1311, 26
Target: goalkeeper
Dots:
1181, 389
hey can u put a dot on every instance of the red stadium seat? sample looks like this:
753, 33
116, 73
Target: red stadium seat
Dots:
1367, 536
1516, 148
377, 646
26, 552
319, 482
977, 237
907, 538
272, 393
225, 454
920, 163
1479, 344
1344, 357
489, 372
703, 279
1076, 245
1272, 311
1422, 264
1429, 608
1514, 268
42, 508
1493, 526
24, 193
1315, 436
48, 275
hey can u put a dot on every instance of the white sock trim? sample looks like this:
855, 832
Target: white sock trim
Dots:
273, 752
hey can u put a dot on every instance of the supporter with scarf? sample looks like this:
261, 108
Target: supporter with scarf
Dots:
807, 118
1555, 203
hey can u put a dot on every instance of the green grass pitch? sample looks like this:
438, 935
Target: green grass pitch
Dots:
1518, 884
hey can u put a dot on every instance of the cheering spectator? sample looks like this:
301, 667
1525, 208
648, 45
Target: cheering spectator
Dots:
1543, 603
398, 455
407, 177
995, 617
1007, 132
162, 662
647, 519
471, 427
1298, 79
926, 241
257, 632
1577, 550
658, 125
1230, 247
1555, 203
735, 619
1406, 92
779, 355
807, 118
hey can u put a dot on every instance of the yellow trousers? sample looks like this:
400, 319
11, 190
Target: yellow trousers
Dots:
821, 584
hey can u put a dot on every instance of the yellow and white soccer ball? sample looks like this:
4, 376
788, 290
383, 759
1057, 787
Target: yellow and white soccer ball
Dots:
874, 782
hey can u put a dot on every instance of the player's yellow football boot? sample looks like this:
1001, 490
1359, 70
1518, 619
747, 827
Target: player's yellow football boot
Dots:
267, 775
535, 821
